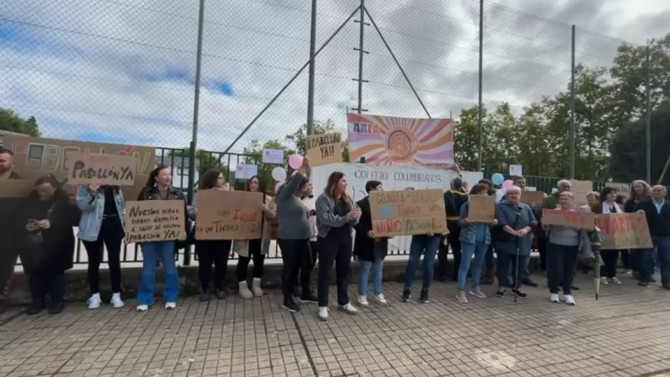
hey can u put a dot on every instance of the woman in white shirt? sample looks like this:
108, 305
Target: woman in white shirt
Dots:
607, 206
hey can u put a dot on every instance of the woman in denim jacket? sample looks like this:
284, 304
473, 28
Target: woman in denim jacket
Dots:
475, 240
102, 224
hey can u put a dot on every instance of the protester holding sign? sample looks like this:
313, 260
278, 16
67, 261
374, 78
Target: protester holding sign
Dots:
475, 239
516, 222
8, 249
256, 248
453, 201
308, 260
102, 216
159, 187
214, 252
658, 218
640, 191
562, 250
336, 214
47, 243
371, 250
606, 206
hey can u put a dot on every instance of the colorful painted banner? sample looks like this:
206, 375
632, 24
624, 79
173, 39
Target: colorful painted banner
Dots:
388, 140
407, 212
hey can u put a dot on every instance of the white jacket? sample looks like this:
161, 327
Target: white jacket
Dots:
310, 203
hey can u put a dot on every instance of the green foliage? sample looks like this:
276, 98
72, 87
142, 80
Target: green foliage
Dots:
12, 122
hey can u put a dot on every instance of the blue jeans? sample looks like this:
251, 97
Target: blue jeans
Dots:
151, 251
644, 263
662, 245
468, 250
377, 267
422, 244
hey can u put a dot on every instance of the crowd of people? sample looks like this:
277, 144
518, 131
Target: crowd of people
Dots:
329, 227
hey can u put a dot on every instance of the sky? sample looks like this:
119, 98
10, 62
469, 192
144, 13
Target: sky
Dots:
124, 70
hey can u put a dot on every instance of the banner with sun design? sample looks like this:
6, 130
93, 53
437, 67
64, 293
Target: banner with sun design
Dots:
388, 140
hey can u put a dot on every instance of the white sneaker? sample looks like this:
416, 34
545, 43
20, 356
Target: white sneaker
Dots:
569, 300
553, 297
95, 301
142, 308
363, 300
616, 281
256, 287
323, 313
170, 305
603, 280
244, 291
380, 299
349, 309
116, 300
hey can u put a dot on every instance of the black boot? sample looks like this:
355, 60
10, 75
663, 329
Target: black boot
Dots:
35, 307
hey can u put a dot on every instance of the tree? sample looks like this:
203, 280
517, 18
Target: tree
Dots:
254, 156
12, 122
466, 139
299, 138
204, 160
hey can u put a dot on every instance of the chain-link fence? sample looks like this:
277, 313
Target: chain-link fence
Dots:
124, 71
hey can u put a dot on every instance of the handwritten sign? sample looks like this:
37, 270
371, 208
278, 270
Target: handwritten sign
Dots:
155, 220
532, 197
408, 212
109, 169
15, 188
624, 231
572, 219
621, 188
246, 171
324, 148
482, 209
273, 156
579, 190
229, 215
516, 170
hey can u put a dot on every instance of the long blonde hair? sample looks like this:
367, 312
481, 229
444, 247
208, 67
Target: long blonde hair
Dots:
333, 179
646, 192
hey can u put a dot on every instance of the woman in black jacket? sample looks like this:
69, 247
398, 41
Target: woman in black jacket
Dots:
371, 251
46, 220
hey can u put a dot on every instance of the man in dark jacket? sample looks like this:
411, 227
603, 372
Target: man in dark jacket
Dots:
8, 252
453, 200
657, 211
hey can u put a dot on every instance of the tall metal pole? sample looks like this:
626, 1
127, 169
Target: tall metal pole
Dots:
479, 101
648, 115
196, 105
572, 109
361, 40
312, 53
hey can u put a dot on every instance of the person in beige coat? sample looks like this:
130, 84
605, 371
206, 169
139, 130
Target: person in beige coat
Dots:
255, 249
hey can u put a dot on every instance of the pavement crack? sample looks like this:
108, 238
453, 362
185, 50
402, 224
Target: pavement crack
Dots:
304, 345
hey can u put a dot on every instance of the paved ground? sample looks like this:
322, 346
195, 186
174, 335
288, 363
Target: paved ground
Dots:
625, 333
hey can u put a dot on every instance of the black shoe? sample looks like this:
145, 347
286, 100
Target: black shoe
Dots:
501, 292
406, 294
4, 306
291, 306
56, 308
652, 280
529, 283
519, 293
424, 297
220, 294
309, 299
574, 288
666, 286
441, 278
642, 284
204, 296
34, 309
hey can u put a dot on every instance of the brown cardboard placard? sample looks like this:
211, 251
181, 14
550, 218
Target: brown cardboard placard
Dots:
482, 209
15, 188
624, 231
408, 212
229, 215
532, 197
108, 169
324, 148
155, 220
572, 219
579, 190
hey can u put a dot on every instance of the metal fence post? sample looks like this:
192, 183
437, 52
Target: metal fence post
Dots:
479, 102
573, 151
648, 114
312, 53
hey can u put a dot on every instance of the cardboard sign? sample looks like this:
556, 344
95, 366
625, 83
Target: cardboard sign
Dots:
109, 169
229, 215
621, 188
324, 148
532, 197
35, 156
482, 209
408, 212
579, 190
155, 220
624, 231
572, 219
15, 188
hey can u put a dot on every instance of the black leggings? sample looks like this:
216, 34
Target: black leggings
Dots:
256, 253
294, 253
334, 249
212, 252
610, 259
111, 236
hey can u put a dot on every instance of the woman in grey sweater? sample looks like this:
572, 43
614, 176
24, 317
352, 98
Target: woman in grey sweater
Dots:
293, 233
336, 214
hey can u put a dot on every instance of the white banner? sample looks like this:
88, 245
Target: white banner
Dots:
393, 178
